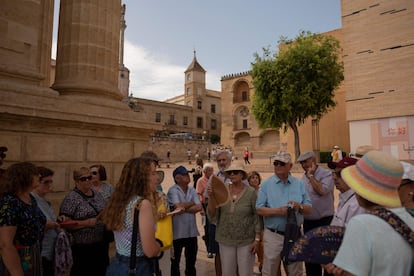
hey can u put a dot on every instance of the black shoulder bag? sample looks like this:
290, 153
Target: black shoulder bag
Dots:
155, 267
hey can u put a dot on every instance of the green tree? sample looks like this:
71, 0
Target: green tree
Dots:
296, 82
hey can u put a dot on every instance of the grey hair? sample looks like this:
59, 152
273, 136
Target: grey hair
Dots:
224, 151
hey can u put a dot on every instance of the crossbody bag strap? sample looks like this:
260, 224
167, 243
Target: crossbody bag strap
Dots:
397, 223
132, 257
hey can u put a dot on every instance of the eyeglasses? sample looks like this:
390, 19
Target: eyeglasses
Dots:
94, 172
84, 178
46, 182
233, 172
279, 163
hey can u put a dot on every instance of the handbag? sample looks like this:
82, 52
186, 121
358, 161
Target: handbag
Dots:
155, 267
292, 233
164, 232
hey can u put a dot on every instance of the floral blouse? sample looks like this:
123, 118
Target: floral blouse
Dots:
28, 219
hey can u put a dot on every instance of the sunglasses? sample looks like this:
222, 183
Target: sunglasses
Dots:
46, 182
94, 173
84, 178
279, 163
233, 172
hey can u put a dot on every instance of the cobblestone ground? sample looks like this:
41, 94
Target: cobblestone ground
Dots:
205, 266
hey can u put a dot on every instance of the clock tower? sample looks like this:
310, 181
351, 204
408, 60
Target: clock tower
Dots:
195, 85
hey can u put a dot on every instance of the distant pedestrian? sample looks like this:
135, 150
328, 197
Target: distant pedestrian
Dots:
246, 156
336, 154
168, 155
189, 156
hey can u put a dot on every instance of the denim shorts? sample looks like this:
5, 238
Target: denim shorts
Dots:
120, 266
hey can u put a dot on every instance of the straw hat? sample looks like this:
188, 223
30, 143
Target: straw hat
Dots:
221, 193
376, 177
237, 166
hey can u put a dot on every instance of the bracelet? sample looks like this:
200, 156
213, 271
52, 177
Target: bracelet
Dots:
311, 175
257, 239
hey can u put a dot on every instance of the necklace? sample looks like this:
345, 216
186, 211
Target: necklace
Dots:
235, 193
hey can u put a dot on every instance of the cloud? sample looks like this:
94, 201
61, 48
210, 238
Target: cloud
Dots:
153, 77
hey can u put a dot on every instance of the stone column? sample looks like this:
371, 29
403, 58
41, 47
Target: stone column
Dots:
88, 48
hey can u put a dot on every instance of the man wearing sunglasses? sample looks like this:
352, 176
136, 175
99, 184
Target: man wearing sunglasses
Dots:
276, 194
320, 187
348, 204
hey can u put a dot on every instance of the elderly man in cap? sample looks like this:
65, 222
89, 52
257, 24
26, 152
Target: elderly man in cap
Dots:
348, 204
276, 194
184, 197
320, 187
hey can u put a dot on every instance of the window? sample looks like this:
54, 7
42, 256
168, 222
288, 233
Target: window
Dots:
213, 108
199, 104
244, 123
244, 96
199, 122
185, 120
188, 77
213, 124
188, 91
172, 120
157, 117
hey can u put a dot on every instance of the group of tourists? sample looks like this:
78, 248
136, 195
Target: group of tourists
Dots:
244, 217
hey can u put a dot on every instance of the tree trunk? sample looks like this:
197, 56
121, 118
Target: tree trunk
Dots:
296, 133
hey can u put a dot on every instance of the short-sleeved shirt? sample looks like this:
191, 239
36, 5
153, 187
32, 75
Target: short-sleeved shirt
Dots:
372, 247
274, 193
79, 206
28, 219
322, 205
201, 187
184, 225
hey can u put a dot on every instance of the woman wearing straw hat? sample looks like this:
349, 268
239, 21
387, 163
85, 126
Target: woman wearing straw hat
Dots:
237, 225
371, 246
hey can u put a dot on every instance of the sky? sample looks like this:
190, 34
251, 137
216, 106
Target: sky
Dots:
162, 35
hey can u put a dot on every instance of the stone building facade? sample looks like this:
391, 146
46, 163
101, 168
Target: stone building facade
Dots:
81, 119
240, 130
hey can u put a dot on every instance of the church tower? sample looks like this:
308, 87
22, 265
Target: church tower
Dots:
195, 85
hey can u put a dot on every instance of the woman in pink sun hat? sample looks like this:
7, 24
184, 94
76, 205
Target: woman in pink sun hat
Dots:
374, 243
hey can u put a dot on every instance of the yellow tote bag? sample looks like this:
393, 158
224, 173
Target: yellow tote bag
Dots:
164, 232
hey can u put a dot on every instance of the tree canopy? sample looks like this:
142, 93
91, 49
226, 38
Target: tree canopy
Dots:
296, 82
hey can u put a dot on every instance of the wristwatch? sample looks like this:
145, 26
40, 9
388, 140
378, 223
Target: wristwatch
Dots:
310, 175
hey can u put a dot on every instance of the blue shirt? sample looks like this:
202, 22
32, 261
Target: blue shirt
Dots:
274, 193
184, 225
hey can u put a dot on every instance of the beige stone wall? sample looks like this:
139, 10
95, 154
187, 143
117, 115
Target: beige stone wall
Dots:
379, 57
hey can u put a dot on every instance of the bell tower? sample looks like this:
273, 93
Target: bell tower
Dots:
195, 85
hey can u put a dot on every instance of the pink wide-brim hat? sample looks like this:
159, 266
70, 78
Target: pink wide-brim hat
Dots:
376, 177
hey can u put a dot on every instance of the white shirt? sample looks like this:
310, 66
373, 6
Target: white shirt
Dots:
372, 247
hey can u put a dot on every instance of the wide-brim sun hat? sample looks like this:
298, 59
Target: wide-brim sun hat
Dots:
376, 177
236, 166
